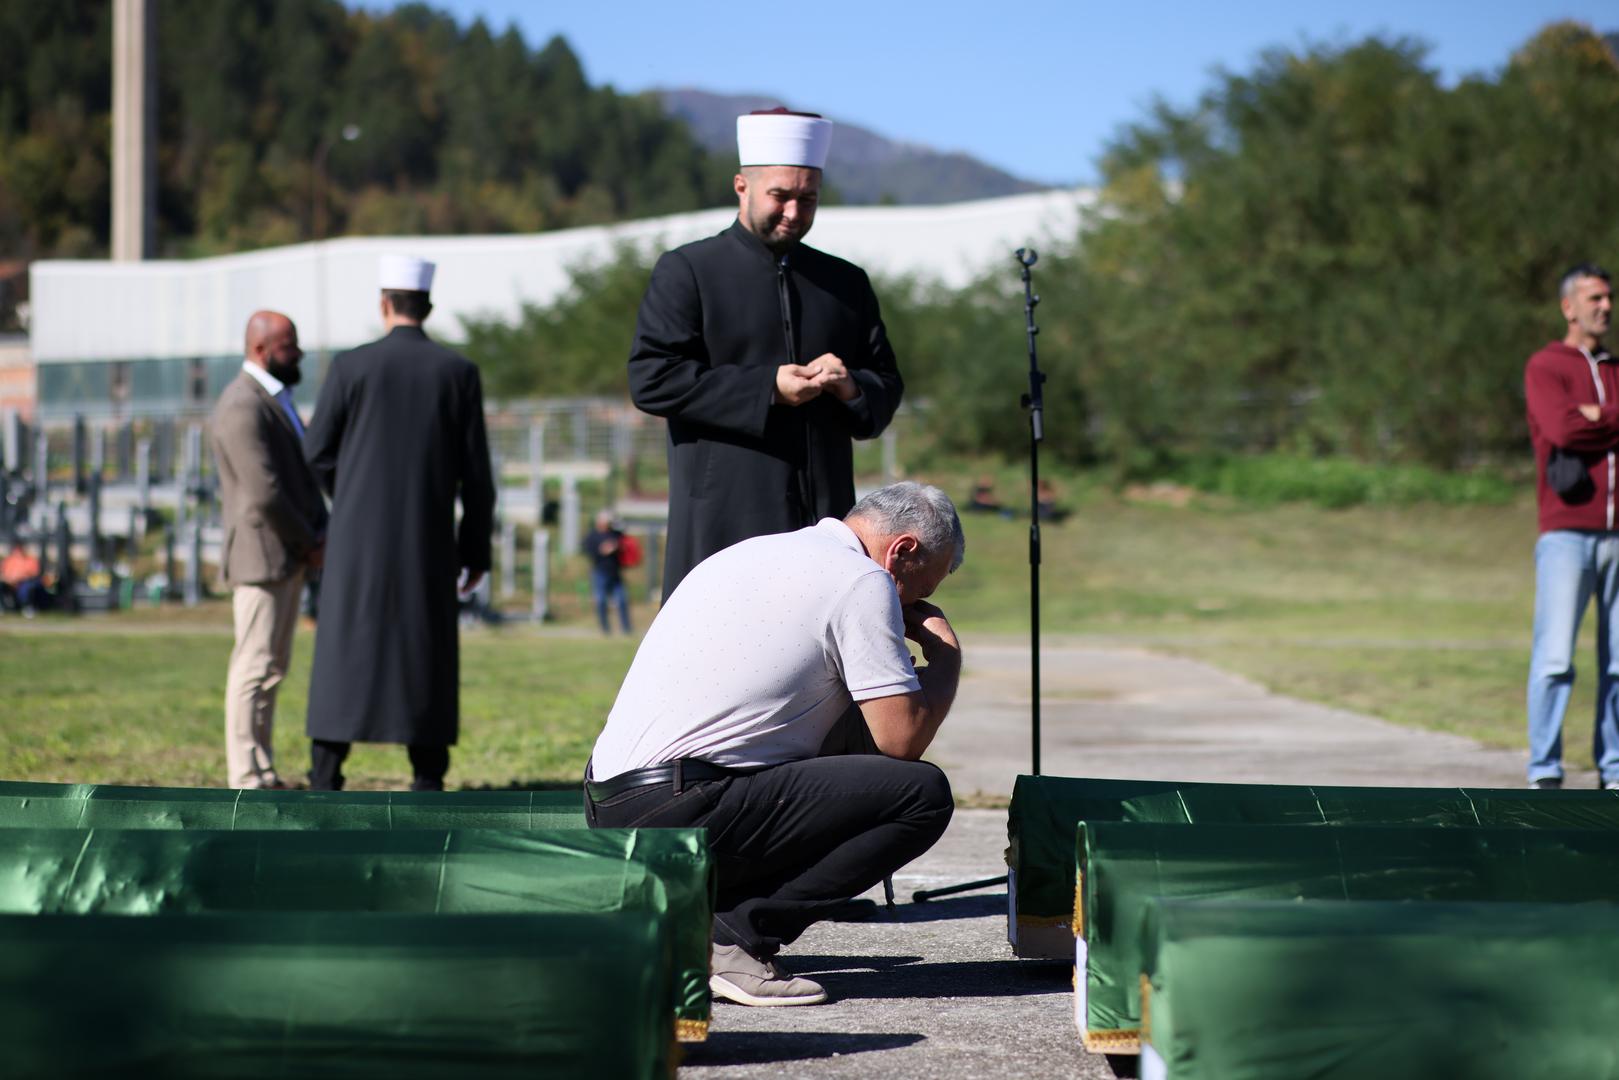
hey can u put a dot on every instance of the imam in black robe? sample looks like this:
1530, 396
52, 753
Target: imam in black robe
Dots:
719, 317
398, 432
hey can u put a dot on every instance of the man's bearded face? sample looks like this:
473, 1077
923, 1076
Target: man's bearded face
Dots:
282, 356
777, 202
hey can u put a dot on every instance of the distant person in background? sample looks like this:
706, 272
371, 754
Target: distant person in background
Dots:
766, 356
21, 582
604, 545
1572, 391
397, 435
275, 532
1045, 502
984, 500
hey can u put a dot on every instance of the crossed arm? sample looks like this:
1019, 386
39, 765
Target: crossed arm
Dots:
1568, 416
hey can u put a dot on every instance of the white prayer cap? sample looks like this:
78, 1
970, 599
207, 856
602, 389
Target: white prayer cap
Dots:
405, 273
779, 137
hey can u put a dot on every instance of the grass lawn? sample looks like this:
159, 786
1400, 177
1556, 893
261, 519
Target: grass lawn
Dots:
1418, 614
146, 707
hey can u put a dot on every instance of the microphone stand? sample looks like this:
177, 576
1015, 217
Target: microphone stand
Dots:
1034, 401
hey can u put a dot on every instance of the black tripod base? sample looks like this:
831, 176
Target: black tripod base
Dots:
924, 895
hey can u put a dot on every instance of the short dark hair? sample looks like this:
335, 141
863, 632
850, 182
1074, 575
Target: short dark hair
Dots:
410, 303
1577, 273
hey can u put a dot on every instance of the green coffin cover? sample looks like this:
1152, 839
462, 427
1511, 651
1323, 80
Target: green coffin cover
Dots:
1344, 991
1123, 865
35, 805
407, 871
290, 994
1277, 804
1040, 827
1046, 810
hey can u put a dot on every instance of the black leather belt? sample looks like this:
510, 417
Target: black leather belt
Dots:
677, 774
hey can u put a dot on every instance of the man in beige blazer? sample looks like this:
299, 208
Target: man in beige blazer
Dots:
275, 529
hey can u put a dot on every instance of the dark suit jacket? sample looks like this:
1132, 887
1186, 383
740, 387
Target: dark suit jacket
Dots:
273, 510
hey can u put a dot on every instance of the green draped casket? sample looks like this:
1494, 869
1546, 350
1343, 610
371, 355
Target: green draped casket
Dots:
1345, 991
1279, 804
1123, 866
38, 805
245, 995
204, 873
1046, 810
1040, 825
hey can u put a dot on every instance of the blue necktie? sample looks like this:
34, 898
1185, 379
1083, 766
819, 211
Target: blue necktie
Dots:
285, 399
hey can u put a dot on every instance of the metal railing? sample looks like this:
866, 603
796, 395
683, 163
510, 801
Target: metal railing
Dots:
93, 487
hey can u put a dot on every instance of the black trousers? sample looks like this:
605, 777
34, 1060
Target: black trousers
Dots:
326, 757
794, 841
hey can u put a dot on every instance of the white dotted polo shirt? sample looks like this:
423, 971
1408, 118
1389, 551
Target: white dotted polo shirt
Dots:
758, 652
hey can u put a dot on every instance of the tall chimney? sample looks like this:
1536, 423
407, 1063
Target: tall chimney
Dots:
134, 129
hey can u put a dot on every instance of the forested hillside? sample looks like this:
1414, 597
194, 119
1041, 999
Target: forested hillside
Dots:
460, 129
1337, 253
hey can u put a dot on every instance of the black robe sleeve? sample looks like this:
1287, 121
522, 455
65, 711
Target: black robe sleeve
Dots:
670, 372
477, 481
877, 375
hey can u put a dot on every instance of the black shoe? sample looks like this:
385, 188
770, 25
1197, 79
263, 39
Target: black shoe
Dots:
1547, 783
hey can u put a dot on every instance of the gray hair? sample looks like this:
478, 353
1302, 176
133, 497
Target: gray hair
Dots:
919, 509
1578, 273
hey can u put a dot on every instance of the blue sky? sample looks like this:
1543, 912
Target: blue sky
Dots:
1034, 86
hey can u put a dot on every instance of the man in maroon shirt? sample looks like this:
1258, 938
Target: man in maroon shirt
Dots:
1572, 391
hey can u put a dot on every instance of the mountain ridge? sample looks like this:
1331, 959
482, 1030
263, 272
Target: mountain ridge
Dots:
863, 167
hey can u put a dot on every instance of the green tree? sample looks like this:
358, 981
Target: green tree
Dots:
1336, 254
579, 344
462, 130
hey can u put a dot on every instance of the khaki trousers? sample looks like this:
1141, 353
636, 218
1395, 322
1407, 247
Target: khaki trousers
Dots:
265, 617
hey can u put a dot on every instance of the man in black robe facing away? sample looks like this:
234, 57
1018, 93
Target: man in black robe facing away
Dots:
766, 356
398, 433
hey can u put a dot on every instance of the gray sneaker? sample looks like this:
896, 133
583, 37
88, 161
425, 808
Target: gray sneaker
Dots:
737, 976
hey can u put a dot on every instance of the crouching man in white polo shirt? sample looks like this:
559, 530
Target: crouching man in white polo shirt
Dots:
739, 681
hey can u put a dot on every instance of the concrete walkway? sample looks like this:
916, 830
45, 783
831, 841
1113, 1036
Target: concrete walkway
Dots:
1121, 712
932, 990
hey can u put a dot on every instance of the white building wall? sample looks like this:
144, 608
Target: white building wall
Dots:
93, 311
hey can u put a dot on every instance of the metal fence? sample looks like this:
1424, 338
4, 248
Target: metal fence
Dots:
90, 489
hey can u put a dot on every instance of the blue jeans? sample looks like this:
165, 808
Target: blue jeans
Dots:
605, 587
1570, 568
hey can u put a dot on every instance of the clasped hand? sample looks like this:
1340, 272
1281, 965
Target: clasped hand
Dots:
798, 383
